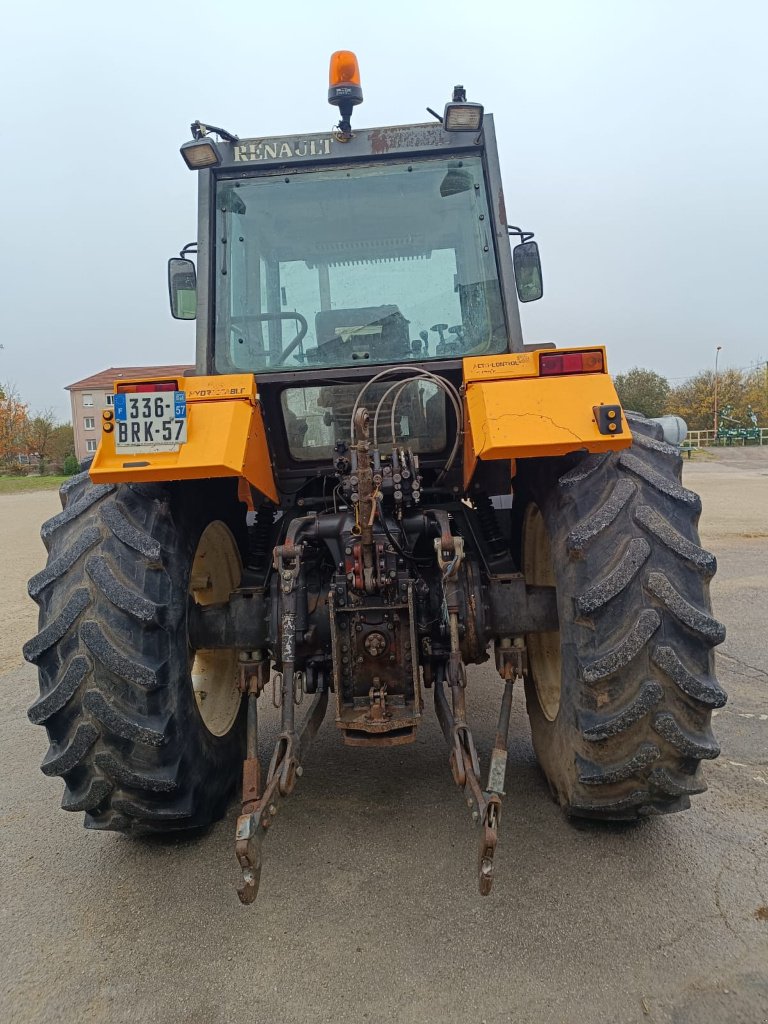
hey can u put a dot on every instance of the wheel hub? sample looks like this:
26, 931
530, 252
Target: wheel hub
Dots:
216, 573
543, 648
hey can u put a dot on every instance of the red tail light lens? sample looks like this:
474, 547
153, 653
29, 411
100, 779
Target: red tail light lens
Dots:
150, 385
571, 362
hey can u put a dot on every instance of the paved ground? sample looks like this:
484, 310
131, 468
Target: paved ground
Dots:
368, 909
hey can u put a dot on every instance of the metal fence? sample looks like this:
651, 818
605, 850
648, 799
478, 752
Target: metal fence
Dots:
707, 439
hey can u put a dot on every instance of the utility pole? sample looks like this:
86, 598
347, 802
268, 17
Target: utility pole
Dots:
717, 355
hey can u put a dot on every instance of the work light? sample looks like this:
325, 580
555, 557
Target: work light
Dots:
200, 153
463, 117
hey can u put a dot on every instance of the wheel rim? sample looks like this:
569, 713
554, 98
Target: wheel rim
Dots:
543, 648
216, 572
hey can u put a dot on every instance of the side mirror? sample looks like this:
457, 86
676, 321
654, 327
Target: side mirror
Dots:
182, 289
527, 264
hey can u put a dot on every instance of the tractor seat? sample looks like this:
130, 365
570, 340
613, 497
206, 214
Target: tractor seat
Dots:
369, 333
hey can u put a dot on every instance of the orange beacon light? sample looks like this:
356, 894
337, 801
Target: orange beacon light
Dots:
344, 89
344, 79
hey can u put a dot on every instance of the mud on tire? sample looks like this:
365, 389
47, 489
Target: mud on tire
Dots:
116, 695
626, 733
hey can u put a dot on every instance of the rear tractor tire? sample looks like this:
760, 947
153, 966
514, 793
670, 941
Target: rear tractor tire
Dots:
620, 698
147, 734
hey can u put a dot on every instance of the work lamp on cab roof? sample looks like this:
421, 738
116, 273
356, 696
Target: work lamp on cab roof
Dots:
200, 153
461, 116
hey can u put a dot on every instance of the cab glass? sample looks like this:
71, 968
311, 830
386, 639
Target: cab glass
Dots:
373, 264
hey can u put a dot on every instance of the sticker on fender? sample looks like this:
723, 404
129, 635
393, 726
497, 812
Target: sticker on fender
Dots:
154, 421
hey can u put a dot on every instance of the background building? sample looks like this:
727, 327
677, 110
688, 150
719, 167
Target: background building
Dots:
92, 394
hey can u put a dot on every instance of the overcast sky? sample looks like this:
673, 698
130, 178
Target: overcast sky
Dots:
633, 138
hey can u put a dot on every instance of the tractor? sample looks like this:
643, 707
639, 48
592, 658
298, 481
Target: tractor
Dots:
369, 483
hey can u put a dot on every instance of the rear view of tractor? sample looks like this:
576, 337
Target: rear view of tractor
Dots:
369, 483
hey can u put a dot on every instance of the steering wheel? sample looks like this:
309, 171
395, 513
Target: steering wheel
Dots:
262, 317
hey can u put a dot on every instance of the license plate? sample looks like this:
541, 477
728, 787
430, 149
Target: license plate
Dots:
151, 422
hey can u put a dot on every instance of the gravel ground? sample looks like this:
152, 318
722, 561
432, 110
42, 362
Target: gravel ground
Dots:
368, 909
21, 516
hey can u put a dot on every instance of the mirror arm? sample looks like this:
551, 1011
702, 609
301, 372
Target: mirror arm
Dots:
524, 236
189, 248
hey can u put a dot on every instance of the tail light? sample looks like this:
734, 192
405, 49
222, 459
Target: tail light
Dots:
148, 385
571, 362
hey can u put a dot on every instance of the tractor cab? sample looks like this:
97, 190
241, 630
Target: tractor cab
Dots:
323, 259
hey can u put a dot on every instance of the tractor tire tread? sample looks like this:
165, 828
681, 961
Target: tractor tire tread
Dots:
66, 687
73, 510
86, 798
602, 518
127, 669
61, 565
126, 531
59, 762
633, 556
663, 530
597, 727
631, 643
637, 631
113, 661
119, 593
125, 726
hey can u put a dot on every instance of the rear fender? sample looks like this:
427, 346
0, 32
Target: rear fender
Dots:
511, 411
226, 437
